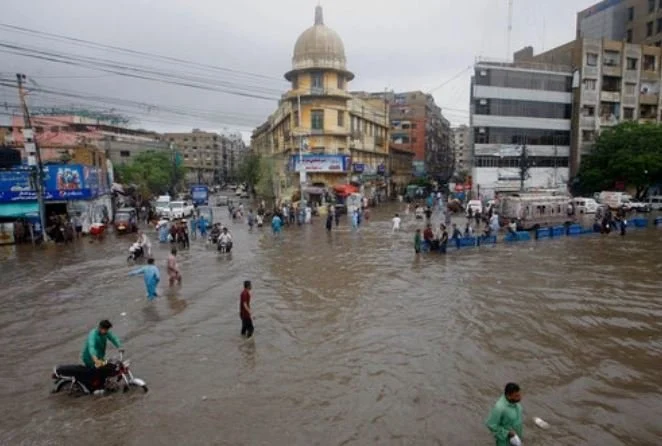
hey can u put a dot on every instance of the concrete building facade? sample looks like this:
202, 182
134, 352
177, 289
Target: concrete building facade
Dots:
210, 158
606, 19
462, 149
521, 123
341, 137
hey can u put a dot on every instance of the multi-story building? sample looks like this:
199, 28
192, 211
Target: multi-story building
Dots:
632, 21
336, 136
520, 117
418, 126
201, 152
614, 82
462, 149
606, 19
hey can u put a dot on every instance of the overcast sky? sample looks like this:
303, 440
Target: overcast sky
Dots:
413, 45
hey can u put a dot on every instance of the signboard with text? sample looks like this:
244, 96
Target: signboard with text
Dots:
320, 163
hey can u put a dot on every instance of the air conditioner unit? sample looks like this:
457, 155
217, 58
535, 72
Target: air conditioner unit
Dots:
481, 130
483, 102
483, 72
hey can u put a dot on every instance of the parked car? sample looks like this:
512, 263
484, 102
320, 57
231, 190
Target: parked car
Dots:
126, 220
475, 206
179, 209
655, 202
584, 205
162, 204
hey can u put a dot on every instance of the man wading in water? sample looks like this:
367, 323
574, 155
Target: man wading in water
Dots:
505, 420
245, 310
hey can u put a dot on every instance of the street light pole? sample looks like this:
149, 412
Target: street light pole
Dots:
33, 152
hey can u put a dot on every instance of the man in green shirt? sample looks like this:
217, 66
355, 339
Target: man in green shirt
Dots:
505, 420
94, 350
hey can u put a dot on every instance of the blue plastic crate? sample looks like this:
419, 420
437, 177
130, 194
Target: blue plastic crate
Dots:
519, 236
639, 222
485, 240
658, 221
542, 233
588, 231
574, 230
468, 242
558, 231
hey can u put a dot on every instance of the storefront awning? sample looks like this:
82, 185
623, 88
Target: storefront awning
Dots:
18, 210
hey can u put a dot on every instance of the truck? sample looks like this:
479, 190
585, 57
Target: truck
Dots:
617, 200
534, 210
200, 195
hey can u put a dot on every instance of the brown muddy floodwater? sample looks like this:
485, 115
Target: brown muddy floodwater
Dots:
358, 341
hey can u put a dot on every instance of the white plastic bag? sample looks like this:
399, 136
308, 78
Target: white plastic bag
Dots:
515, 440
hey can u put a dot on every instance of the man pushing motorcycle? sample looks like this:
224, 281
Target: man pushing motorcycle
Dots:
94, 351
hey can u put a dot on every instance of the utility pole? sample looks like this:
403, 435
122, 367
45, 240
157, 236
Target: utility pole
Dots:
33, 152
523, 167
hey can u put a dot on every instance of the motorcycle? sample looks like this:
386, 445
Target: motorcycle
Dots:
136, 252
224, 246
85, 380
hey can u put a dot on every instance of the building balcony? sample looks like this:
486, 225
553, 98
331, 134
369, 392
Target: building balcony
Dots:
610, 96
608, 120
648, 120
648, 75
587, 121
612, 70
589, 97
629, 100
631, 76
649, 99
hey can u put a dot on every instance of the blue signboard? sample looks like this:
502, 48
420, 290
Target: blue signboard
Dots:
381, 169
358, 167
61, 182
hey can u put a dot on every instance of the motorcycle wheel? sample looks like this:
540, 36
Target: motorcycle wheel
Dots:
145, 388
74, 387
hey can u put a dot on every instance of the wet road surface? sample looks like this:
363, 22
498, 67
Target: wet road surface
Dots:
358, 341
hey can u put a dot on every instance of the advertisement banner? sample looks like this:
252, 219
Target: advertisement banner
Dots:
358, 167
321, 163
61, 182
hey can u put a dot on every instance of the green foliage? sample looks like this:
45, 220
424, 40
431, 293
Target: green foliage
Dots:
154, 173
250, 170
629, 152
266, 184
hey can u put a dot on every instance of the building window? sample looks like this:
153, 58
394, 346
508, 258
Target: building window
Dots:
631, 13
296, 119
588, 135
588, 111
628, 113
413, 125
413, 140
649, 62
629, 89
591, 59
611, 84
341, 82
651, 6
317, 120
589, 84
341, 118
612, 58
295, 82
649, 29
316, 80
631, 63
628, 36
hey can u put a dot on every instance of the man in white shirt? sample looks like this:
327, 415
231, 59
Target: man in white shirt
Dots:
396, 223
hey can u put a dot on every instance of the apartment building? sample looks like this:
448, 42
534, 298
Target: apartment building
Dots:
604, 20
521, 122
632, 21
614, 81
462, 149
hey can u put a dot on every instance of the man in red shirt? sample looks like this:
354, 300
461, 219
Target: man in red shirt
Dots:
245, 310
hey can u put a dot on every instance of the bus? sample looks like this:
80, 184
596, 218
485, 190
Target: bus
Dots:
200, 195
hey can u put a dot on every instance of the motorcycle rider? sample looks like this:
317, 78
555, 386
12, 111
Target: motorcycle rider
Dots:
94, 351
144, 243
226, 239
215, 233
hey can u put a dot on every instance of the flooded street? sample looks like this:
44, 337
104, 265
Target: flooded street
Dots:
357, 341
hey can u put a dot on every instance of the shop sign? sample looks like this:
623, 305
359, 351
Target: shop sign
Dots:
320, 163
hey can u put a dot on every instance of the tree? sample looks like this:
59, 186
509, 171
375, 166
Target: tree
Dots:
154, 173
630, 153
250, 170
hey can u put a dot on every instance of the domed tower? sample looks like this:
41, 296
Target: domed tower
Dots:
319, 94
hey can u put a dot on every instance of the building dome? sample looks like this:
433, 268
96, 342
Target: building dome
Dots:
319, 47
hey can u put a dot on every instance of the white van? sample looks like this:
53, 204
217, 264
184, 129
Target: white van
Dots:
475, 206
655, 202
584, 205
